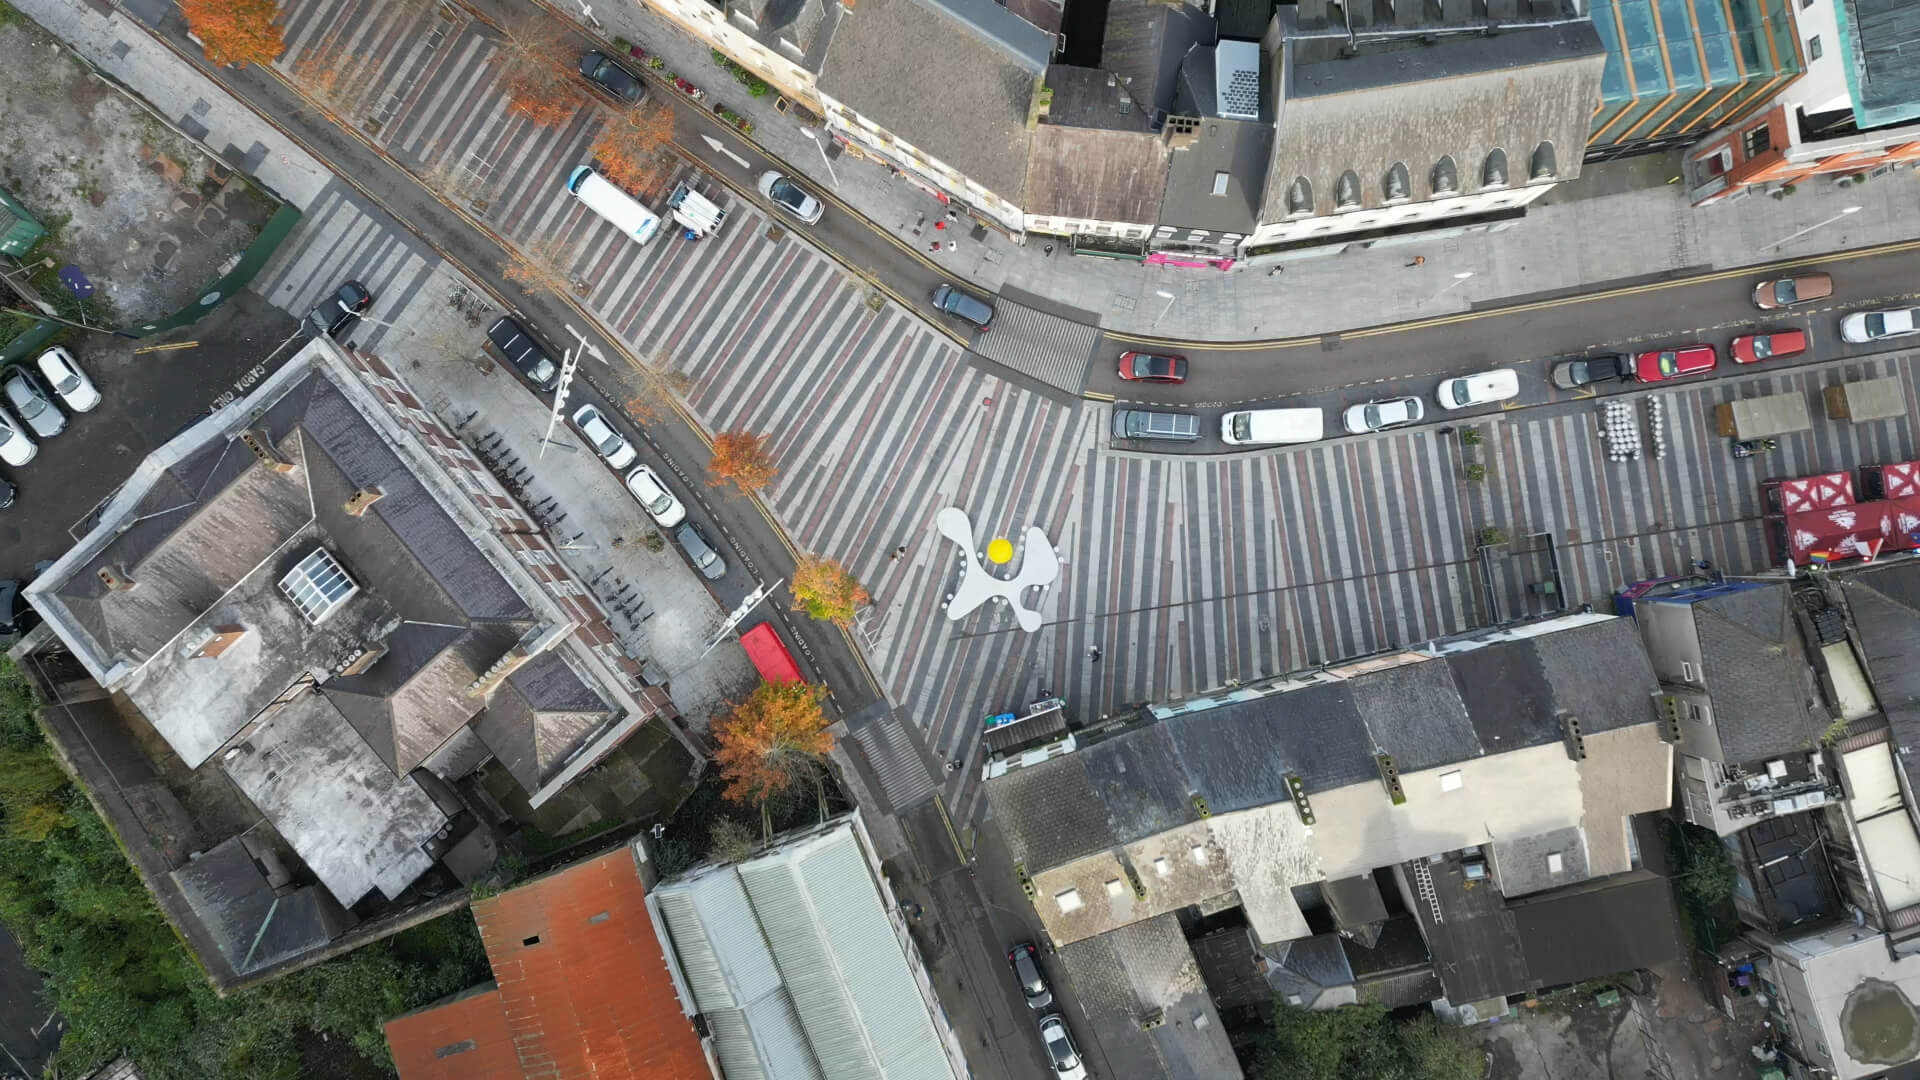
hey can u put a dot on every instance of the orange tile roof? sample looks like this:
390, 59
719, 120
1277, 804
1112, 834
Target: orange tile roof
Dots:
582, 990
583, 982
464, 1039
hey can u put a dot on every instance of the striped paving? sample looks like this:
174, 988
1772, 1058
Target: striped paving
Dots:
339, 238
1040, 345
903, 774
1180, 574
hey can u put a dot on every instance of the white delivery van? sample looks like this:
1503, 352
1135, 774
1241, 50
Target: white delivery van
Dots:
1259, 426
603, 198
692, 209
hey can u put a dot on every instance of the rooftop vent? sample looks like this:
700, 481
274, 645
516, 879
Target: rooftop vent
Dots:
358, 502
1236, 76
256, 440
116, 578
1068, 900
317, 585
216, 640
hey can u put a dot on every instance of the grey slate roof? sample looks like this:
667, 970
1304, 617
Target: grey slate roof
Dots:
986, 62
1239, 148
1504, 695
1306, 968
413, 698
1884, 605
1597, 928
1754, 662
1877, 39
1096, 156
538, 716
1128, 974
1405, 101
808, 24
1145, 42
253, 928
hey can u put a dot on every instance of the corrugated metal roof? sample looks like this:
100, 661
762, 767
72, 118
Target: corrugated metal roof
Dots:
845, 1003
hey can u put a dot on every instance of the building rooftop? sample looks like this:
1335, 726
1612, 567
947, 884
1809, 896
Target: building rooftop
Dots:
1237, 148
1883, 604
800, 965
1755, 665
1096, 156
799, 30
581, 988
1436, 109
1877, 38
1147, 972
1144, 44
986, 61
254, 925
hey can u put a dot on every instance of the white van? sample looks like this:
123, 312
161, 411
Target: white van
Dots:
1260, 426
638, 222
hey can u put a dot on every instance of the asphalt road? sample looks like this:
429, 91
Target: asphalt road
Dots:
1529, 335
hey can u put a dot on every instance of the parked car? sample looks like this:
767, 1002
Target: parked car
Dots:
1659, 365
1776, 293
701, 551
619, 83
1592, 370
518, 346
16, 616
1382, 414
790, 197
338, 311
33, 402
1152, 367
964, 305
1753, 348
1061, 1053
1026, 970
612, 447
655, 499
16, 446
1154, 424
64, 375
1864, 326
1485, 388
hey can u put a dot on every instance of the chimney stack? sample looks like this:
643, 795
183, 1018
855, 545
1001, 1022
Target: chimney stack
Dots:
256, 440
357, 504
115, 578
219, 640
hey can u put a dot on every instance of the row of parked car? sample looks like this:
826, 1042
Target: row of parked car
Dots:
1062, 1056
34, 397
530, 358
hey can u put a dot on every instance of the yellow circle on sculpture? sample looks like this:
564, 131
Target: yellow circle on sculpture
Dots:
999, 550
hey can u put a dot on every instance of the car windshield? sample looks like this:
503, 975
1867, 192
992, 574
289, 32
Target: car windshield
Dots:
1669, 363
29, 403
786, 192
1783, 292
542, 371
1876, 324
1762, 347
1462, 394
1372, 415
69, 381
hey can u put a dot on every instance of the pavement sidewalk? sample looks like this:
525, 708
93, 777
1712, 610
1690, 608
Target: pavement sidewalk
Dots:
1620, 222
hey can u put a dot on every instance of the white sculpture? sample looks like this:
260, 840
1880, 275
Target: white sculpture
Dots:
1040, 567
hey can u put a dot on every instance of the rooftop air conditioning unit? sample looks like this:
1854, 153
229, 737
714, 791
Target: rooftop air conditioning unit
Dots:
1236, 77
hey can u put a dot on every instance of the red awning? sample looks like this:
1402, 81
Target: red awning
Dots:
1816, 492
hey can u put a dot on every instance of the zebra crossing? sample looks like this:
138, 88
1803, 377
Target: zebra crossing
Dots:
1180, 574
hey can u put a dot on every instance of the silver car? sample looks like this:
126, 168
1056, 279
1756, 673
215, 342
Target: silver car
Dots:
33, 402
16, 446
790, 197
1382, 414
609, 443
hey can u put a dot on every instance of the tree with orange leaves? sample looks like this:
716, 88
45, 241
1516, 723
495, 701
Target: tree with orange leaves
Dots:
632, 148
826, 590
776, 737
235, 31
741, 458
537, 74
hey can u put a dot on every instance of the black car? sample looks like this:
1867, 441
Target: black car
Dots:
518, 346
342, 306
617, 81
15, 616
7, 493
1587, 371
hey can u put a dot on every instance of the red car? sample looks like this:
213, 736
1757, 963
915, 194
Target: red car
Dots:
1147, 367
1663, 364
1753, 348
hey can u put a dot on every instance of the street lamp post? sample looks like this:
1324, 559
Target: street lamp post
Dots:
1168, 297
814, 138
1844, 211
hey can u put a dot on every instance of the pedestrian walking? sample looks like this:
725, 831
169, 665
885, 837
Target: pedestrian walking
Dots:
1275, 270
1418, 260
935, 246
938, 225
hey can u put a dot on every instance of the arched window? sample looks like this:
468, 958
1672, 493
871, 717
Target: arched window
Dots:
1445, 178
1346, 193
1299, 197
1541, 168
1397, 187
1493, 174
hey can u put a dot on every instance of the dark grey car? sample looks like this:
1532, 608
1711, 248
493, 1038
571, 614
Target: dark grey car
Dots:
964, 305
517, 345
617, 81
333, 315
701, 551
1026, 971
1592, 370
